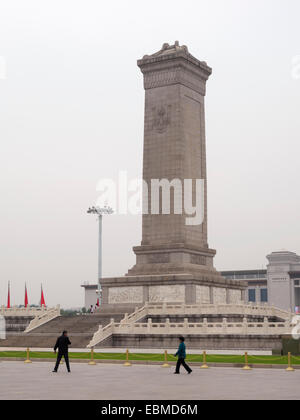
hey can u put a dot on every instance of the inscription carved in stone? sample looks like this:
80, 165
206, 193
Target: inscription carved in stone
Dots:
198, 259
161, 118
159, 258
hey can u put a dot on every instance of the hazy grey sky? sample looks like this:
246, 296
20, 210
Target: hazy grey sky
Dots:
71, 112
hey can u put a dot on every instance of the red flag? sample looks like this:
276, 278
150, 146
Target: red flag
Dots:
42, 297
8, 296
97, 302
26, 297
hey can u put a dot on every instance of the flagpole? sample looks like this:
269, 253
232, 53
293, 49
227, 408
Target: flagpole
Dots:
42, 301
8, 295
26, 297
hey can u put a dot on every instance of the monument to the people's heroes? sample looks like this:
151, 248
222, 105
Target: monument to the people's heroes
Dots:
174, 262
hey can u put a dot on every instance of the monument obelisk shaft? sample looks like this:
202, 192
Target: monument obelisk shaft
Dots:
174, 148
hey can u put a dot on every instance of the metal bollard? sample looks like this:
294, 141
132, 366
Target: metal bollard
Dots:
127, 363
27, 359
205, 365
246, 367
166, 364
92, 362
289, 368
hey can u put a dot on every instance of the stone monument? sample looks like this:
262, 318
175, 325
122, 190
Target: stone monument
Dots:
174, 262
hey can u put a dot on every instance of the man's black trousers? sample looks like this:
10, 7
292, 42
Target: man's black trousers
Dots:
66, 357
180, 362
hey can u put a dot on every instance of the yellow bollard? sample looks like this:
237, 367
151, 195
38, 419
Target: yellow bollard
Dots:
92, 362
27, 359
205, 365
246, 367
127, 363
166, 364
289, 368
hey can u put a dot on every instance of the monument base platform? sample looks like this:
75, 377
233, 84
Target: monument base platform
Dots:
196, 342
206, 286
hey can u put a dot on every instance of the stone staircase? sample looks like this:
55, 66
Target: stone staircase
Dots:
17, 323
80, 328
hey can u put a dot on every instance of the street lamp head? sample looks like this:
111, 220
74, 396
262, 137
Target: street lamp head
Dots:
100, 210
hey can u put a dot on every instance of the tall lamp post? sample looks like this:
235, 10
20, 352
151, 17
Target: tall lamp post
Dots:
100, 211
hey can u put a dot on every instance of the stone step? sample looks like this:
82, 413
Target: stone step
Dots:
47, 341
79, 324
80, 329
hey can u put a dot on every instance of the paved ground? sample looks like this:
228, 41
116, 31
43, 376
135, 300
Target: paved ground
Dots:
36, 381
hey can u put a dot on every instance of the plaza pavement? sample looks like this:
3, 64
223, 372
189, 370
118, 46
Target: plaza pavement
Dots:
104, 381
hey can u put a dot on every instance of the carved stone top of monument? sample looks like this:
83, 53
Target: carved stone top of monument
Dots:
175, 65
169, 49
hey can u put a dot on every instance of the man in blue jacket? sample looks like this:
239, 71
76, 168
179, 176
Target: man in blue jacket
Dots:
181, 356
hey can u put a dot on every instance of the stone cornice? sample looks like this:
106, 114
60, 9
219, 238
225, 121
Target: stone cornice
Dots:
179, 247
173, 54
206, 279
178, 67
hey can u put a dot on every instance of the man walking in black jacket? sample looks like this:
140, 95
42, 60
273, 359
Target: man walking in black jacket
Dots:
62, 344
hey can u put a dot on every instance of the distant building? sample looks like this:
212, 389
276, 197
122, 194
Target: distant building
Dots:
284, 280
256, 280
90, 294
278, 285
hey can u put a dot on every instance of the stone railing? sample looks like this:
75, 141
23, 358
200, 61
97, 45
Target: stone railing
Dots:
193, 328
43, 316
29, 311
102, 333
207, 309
129, 324
138, 314
217, 309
